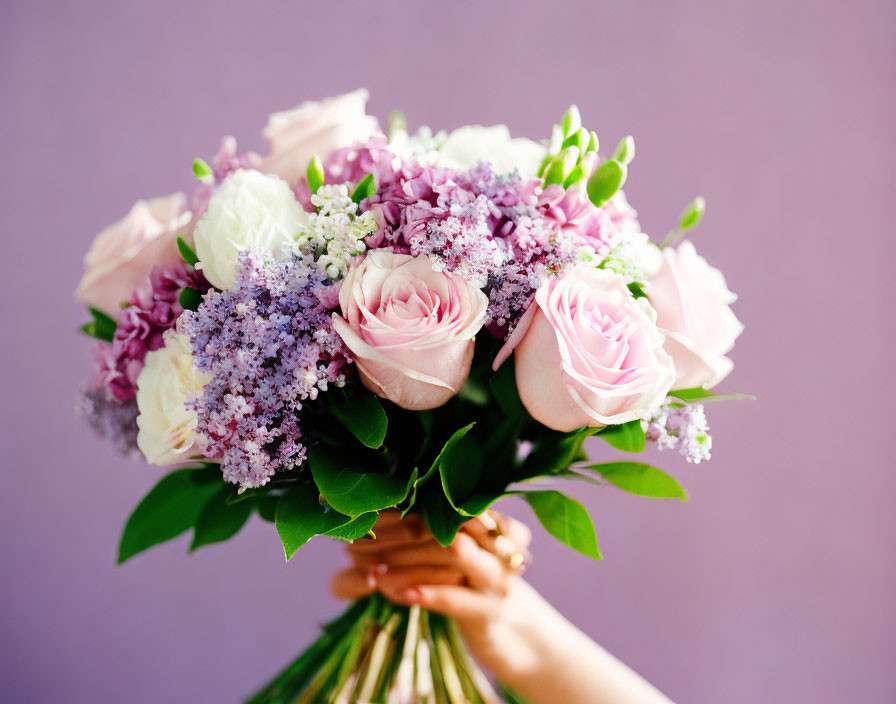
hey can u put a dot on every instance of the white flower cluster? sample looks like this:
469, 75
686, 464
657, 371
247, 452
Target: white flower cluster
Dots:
633, 258
336, 232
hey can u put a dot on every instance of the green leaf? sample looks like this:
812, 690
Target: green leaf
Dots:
625, 150
605, 181
219, 521
503, 386
572, 120
364, 189
170, 508
566, 519
363, 415
640, 479
315, 174
353, 492
102, 327
266, 507
441, 518
474, 391
556, 453
186, 252
637, 290
202, 170
190, 298
628, 437
453, 440
703, 395
356, 528
300, 516
692, 214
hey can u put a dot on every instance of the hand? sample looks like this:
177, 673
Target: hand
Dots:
508, 626
475, 580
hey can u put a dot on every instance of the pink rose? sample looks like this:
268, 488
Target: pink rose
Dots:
692, 302
122, 255
587, 353
411, 328
315, 129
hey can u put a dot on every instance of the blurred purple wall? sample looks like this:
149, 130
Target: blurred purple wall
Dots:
776, 582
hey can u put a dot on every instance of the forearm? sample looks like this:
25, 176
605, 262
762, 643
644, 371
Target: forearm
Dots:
554, 662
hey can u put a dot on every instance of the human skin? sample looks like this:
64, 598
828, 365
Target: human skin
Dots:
510, 628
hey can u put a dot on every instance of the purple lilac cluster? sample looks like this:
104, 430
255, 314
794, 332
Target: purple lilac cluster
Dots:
499, 231
682, 427
152, 309
269, 346
112, 420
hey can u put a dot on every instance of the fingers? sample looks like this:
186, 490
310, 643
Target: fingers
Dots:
499, 533
353, 583
460, 603
482, 569
393, 582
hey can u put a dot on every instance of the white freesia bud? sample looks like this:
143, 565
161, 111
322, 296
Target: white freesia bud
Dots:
166, 427
249, 209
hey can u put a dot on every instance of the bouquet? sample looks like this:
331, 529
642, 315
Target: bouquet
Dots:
426, 322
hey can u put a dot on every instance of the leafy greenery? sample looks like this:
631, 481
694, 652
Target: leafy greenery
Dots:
301, 515
102, 327
202, 171
692, 214
190, 298
628, 437
315, 174
186, 252
219, 521
364, 189
640, 479
362, 414
349, 488
503, 386
169, 509
566, 519
703, 395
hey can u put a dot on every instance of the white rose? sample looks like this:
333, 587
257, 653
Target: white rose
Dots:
166, 427
467, 146
316, 128
249, 209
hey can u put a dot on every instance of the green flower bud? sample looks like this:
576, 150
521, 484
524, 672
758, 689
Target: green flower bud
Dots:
603, 184
625, 150
315, 174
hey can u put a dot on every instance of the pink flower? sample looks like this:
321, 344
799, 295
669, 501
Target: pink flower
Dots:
692, 303
315, 129
122, 255
587, 353
411, 329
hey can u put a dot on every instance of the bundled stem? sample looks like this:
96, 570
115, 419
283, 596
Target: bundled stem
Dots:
380, 653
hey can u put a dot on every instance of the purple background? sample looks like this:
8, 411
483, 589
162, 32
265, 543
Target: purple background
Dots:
775, 583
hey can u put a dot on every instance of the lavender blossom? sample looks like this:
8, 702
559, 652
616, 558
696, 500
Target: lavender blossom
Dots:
681, 427
269, 346
112, 420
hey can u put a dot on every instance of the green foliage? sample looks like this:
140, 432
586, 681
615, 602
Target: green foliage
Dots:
554, 452
315, 174
628, 437
362, 414
356, 528
102, 327
364, 189
606, 180
219, 521
625, 150
637, 290
186, 252
503, 386
704, 396
300, 516
565, 519
640, 479
692, 214
169, 509
202, 170
190, 298
349, 487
